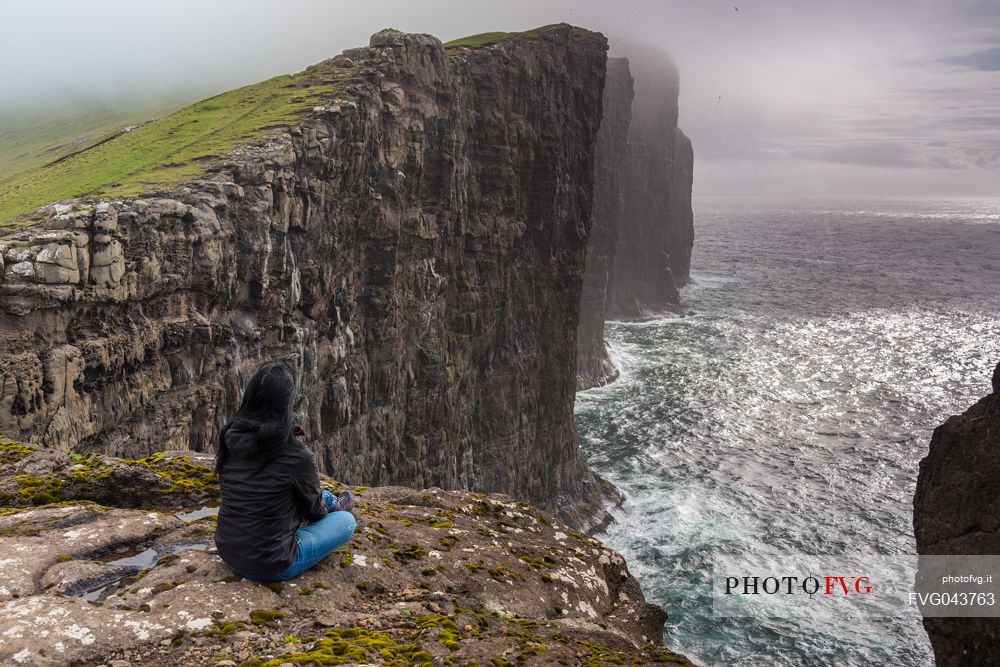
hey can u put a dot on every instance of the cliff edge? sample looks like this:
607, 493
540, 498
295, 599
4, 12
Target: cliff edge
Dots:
110, 561
956, 510
405, 225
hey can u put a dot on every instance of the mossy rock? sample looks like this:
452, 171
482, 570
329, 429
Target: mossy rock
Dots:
356, 645
13, 452
150, 482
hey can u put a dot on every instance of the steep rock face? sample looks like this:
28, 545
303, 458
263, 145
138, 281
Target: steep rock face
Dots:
681, 227
594, 368
653, 256
639, 251
430, 577
413, 249
956, 510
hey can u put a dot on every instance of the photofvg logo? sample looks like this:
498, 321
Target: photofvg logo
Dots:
810, 585
855, 585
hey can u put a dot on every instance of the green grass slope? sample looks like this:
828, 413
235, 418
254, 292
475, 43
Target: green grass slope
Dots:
46, 160
171, 149
29, 140
490, 38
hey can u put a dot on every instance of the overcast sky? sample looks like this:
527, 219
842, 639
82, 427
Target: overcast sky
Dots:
843, 97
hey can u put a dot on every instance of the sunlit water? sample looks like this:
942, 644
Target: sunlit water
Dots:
790, 413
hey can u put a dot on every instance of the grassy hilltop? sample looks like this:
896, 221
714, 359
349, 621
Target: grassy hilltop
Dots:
32, 139
165, 151
42, 161
484, 39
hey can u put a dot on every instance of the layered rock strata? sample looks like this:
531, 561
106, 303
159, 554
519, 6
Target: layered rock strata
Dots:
414, 249
956, 510
431, 577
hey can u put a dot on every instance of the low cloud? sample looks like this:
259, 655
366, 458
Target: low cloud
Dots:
901, 156
870, 155
902, 93
988, 60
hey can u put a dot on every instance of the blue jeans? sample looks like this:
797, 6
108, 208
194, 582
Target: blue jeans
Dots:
316, 541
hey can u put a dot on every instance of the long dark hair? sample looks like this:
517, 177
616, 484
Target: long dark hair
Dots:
266, 408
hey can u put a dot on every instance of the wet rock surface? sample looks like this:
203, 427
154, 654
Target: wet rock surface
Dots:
414, 249
956, 510
430, 577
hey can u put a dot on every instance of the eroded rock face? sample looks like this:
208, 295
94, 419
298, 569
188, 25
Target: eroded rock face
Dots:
956, 510
653, 256
430, 576
414, 250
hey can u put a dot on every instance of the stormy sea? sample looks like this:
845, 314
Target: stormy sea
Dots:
789, 412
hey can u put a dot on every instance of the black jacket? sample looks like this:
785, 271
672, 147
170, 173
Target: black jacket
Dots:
264, 500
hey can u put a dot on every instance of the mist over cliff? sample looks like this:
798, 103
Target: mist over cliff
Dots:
639, 249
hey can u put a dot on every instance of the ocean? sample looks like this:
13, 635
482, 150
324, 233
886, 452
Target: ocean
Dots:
788, 414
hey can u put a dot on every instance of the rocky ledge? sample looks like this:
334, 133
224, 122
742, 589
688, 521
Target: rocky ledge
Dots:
111, 561
956, 510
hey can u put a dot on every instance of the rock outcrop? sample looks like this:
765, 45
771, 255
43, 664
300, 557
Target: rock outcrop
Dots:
639, 250
956, 510
414, 248
653, 257
431, 577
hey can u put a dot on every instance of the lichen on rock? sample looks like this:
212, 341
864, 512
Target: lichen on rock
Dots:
31, 476
430, 577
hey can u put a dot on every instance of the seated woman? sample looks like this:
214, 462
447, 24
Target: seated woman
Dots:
270, 485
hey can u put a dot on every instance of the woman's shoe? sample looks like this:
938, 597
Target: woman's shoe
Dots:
344, 502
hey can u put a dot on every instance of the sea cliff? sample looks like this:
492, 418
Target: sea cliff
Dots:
594, 367
639, 249
412, 244
406, 225
653, 258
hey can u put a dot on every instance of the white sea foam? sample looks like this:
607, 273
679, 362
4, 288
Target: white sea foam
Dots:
791, 413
